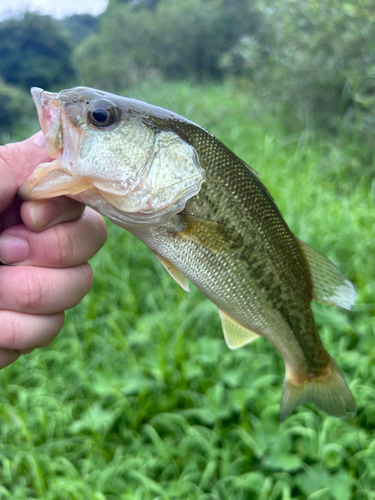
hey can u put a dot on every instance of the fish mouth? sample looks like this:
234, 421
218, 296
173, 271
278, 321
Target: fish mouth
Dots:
52, 178
49, 114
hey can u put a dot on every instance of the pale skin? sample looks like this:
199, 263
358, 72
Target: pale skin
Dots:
44, 246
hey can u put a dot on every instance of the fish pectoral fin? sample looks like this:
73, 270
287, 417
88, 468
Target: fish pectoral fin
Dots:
50, 180
329, 392
329, 285
213, 235
235, 334
174, 272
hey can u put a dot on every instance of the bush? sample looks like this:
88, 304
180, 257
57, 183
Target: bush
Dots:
322, 59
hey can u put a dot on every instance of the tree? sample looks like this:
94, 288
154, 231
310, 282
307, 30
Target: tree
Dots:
16, 109
33, 52
177, 38
79, 26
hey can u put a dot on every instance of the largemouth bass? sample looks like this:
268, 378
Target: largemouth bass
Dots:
208, 219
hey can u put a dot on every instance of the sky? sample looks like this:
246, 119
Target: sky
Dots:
55, 8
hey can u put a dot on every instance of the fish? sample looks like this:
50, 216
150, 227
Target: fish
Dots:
207, 218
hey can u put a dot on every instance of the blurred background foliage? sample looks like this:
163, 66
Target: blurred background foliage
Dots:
316, 57
314, 60
139, 397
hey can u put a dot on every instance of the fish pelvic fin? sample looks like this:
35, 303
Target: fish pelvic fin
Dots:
329, 285
328, 391
174, 272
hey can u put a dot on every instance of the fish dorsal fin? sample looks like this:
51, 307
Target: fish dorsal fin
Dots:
211, 234
174, 272
329, 285
235, 335
254, 172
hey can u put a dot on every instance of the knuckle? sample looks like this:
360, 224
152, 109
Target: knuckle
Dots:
83, 279
57, 322
64, 246
30, 293
9, 154
102, 229
11, 329
23, 332
98, 225
88, 276
12, 332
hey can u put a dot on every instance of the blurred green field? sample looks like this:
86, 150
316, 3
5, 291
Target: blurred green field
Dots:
140, 398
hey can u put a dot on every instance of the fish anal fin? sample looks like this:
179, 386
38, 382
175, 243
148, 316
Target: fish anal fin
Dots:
173, 271
235, 334
211, 234
329, 285
329, 392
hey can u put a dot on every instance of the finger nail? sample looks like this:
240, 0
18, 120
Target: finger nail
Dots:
13, 249
39, 140
43, 213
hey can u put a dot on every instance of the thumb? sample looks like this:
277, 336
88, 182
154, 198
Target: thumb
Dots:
17, 161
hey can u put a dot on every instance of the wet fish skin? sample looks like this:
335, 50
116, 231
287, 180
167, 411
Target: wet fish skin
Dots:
229, 239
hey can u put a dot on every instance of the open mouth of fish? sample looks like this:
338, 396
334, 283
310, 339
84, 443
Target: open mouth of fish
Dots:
49, 114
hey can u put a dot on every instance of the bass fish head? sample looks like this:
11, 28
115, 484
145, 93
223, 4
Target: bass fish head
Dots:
117, 155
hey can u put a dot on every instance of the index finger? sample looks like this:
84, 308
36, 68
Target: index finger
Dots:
17, 162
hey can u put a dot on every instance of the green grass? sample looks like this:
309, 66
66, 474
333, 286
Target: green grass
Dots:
139, 397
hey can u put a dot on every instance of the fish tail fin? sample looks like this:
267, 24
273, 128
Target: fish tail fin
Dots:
328, 391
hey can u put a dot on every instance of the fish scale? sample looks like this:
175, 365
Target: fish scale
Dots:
208, 219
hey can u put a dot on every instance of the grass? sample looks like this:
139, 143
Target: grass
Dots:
139, 397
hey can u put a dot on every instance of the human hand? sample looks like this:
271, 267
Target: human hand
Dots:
45, 246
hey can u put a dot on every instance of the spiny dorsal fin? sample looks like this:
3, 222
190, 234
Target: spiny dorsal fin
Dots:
235, 335
254, 172
174, 272
329, 285
211, 234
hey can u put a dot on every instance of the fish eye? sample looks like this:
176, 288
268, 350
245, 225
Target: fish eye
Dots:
102, 114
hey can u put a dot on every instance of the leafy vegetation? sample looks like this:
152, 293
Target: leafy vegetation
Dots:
139, 397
